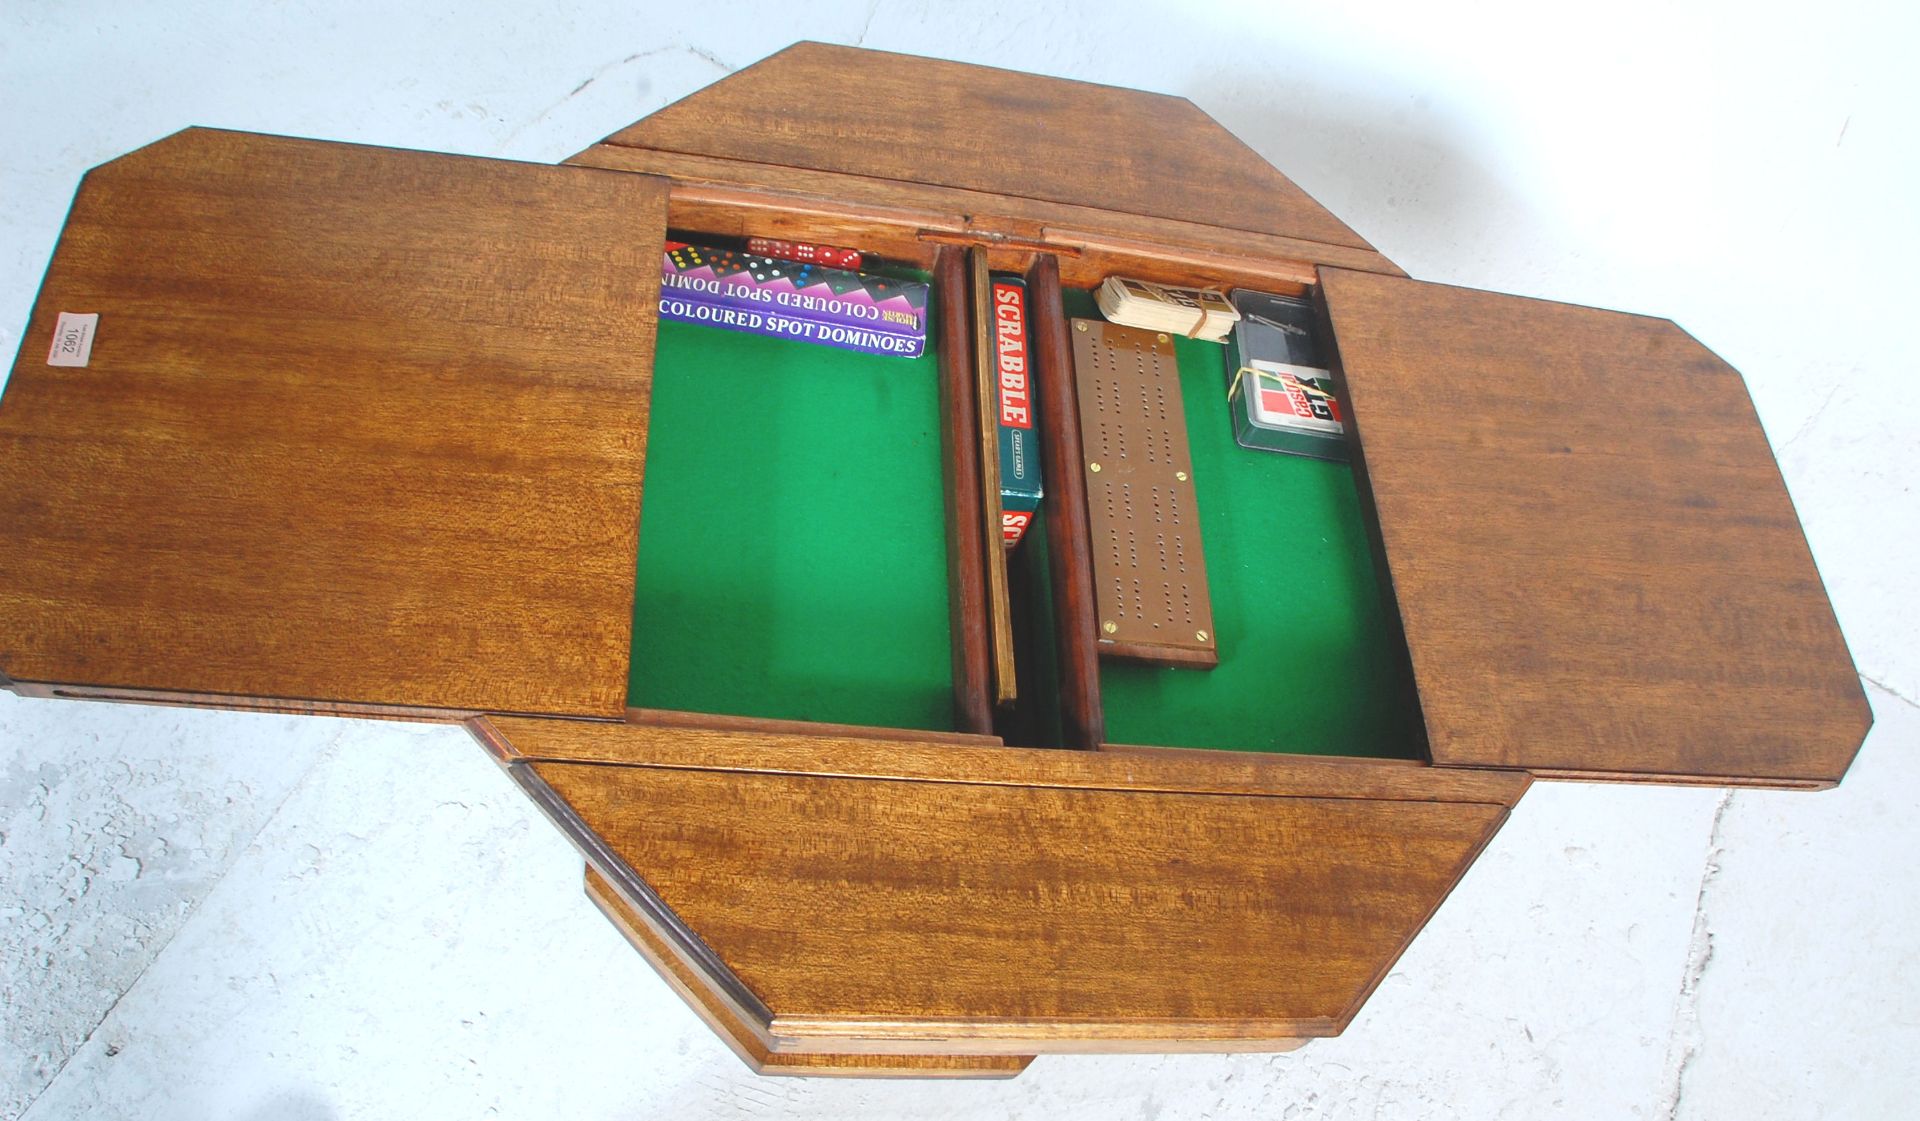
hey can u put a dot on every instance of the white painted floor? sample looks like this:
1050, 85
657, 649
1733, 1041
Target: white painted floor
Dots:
262, 918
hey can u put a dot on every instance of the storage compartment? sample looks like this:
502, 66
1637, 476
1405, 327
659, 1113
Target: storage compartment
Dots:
1310, 657
794, 563
1036, 720
793, 542
791, 554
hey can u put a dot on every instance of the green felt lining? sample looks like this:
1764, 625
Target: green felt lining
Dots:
792, 563
1309, 660
792, 534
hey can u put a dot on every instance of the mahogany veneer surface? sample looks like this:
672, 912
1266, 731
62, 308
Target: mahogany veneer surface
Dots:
950, 124
746, 1043
740, 198
360, 425
1592, 549
863, 890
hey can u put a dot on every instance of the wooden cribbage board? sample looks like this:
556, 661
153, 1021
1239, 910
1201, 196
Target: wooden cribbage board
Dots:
1149, 572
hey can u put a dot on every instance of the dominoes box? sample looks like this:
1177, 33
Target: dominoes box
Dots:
811, 303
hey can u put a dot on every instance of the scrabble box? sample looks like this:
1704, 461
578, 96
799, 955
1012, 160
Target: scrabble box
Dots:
1020, 489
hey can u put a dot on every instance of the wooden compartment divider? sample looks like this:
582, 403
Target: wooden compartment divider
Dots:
1065, 508
960, 461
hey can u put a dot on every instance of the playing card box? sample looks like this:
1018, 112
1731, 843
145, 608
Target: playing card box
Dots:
1280, 392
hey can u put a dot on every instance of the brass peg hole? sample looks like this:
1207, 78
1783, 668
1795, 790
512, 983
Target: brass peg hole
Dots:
1180, 475
1160, 338
1094, 467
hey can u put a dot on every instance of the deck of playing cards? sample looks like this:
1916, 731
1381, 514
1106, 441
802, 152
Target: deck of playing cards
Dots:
1197, 313
1280, 392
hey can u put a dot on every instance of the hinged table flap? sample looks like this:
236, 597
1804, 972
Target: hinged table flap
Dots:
1594, 556
842, 894
908, 121
355, 426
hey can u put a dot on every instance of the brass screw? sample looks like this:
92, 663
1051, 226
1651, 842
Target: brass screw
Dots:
1110, 626
1094, 467
1080, 325
1181, 475
1160, 338
1201, 635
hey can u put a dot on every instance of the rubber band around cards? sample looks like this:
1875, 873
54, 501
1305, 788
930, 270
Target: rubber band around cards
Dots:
1205, 315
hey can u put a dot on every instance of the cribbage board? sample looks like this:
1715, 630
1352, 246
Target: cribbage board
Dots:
1149, 572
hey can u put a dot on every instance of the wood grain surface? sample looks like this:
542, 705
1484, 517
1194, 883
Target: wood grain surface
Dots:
968, 617
1056, 913
1069, 538
1030, 913
1594, 555
749, 1044
287, 706
919, 120
724, 746
741, 197
360, 426
669, 718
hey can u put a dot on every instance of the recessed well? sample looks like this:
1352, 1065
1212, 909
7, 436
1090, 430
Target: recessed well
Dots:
792, 558
1310, 659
